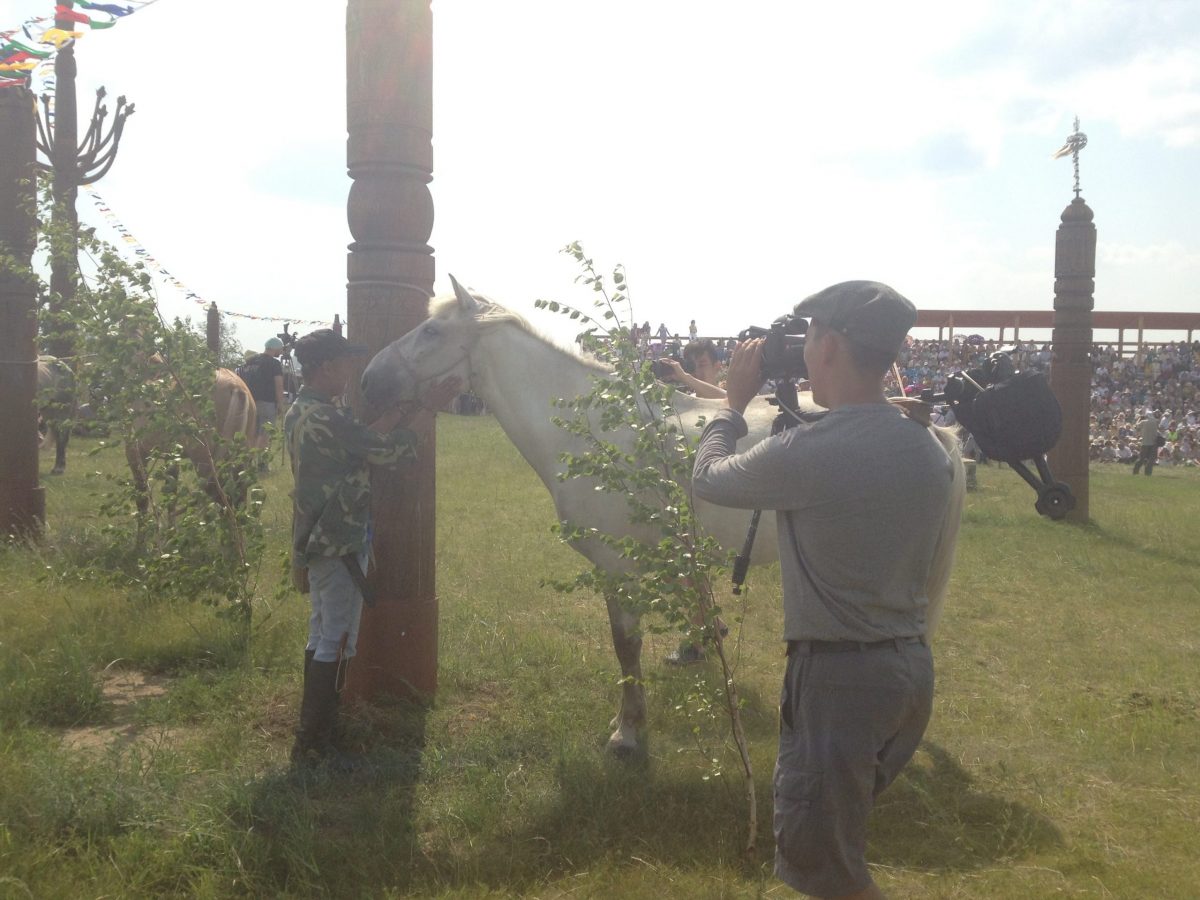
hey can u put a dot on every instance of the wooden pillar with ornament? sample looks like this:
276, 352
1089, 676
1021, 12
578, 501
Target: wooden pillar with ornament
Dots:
22, 499
1071, 367
389, 112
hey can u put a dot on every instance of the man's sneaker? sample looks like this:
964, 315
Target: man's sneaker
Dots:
686, 655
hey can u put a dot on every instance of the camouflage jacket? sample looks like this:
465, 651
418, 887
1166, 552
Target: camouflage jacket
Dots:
332, 497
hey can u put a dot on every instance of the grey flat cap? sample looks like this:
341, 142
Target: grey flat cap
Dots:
867, 312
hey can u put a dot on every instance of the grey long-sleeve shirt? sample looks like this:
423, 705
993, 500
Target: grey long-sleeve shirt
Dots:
860, 497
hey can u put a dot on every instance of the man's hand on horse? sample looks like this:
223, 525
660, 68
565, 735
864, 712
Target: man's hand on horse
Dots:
425, 407
441, 393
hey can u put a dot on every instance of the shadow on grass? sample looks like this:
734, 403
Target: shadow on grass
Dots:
1142, 548
760, 714
316, 832
933, 817
605, 810
349, 836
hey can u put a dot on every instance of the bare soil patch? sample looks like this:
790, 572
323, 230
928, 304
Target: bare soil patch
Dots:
123, 689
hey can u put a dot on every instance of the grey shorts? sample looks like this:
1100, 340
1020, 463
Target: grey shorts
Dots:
336, 609
267, 412
849, 722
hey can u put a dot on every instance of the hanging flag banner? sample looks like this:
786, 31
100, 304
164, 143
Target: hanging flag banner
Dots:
41, 37
144, 257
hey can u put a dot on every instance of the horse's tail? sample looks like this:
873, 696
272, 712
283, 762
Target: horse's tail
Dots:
943, 554
238, 414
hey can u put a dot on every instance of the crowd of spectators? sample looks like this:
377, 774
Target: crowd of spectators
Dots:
1160, 382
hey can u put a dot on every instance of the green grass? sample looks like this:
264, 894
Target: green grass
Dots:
1061, 759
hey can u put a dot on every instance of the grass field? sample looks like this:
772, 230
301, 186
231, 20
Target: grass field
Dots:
142, 755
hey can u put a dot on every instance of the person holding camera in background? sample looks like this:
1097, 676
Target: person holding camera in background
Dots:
699, 372
330, 453
263, 374
862, 495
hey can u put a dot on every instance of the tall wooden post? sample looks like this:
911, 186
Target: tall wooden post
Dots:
72, 163
1071, 368
389, 112
212, 331
22, 500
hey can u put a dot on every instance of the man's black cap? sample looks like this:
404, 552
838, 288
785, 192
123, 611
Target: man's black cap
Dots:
322, 345
867, 312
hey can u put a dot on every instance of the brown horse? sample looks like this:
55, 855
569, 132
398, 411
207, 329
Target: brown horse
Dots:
235, 415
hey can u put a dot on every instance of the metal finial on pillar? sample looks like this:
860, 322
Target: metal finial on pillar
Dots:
1076, 141
1071, 367
72, 163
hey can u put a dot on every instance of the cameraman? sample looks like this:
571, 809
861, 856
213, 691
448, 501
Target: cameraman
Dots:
861, 496
263, 374
700, 370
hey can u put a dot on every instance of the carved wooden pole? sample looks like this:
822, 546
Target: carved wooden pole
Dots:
22, 500
73, 162
212, 331
65, 191
1071, 368
389, 111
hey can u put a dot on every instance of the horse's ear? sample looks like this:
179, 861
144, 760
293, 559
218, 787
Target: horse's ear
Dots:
466, 302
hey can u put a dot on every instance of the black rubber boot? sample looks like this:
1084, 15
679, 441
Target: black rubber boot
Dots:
318, 709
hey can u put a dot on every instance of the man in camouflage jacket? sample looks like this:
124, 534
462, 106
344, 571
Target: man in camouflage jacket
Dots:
330, 453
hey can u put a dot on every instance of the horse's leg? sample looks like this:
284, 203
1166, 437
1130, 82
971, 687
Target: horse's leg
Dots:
631, 718
62, 434
208, 467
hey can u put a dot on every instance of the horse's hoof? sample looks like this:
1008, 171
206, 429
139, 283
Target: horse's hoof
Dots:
623, 746
57, 471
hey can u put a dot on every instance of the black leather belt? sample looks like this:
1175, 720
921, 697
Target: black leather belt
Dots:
850, 646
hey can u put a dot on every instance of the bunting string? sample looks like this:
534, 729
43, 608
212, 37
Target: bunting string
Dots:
135, 247
27, 58
27, 52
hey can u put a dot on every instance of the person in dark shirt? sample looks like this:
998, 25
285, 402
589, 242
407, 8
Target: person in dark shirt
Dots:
263, 374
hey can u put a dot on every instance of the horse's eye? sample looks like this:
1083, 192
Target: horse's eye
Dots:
431, 330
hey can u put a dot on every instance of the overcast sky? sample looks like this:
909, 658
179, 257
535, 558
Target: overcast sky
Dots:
735, 157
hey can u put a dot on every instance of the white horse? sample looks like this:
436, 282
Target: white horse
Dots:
520, 374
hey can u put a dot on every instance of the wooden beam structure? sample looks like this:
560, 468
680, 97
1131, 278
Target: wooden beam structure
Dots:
389, 118
1044, 318
1071, 364
22, 499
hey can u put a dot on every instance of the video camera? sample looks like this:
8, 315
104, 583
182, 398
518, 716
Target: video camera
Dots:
1013, 416
288, 339
662, 370
783, 351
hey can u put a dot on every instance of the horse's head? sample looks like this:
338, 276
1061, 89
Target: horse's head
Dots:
435, 349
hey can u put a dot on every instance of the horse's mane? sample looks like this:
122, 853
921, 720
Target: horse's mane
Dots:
492, 314
943, 555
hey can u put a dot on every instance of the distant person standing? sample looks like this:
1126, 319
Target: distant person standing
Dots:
662, 333
1147, 431
263, 374
692, 330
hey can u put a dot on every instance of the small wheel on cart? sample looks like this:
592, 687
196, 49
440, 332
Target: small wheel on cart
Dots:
1055, 501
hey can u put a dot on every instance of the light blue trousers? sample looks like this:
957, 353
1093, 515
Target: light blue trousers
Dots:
336, 608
